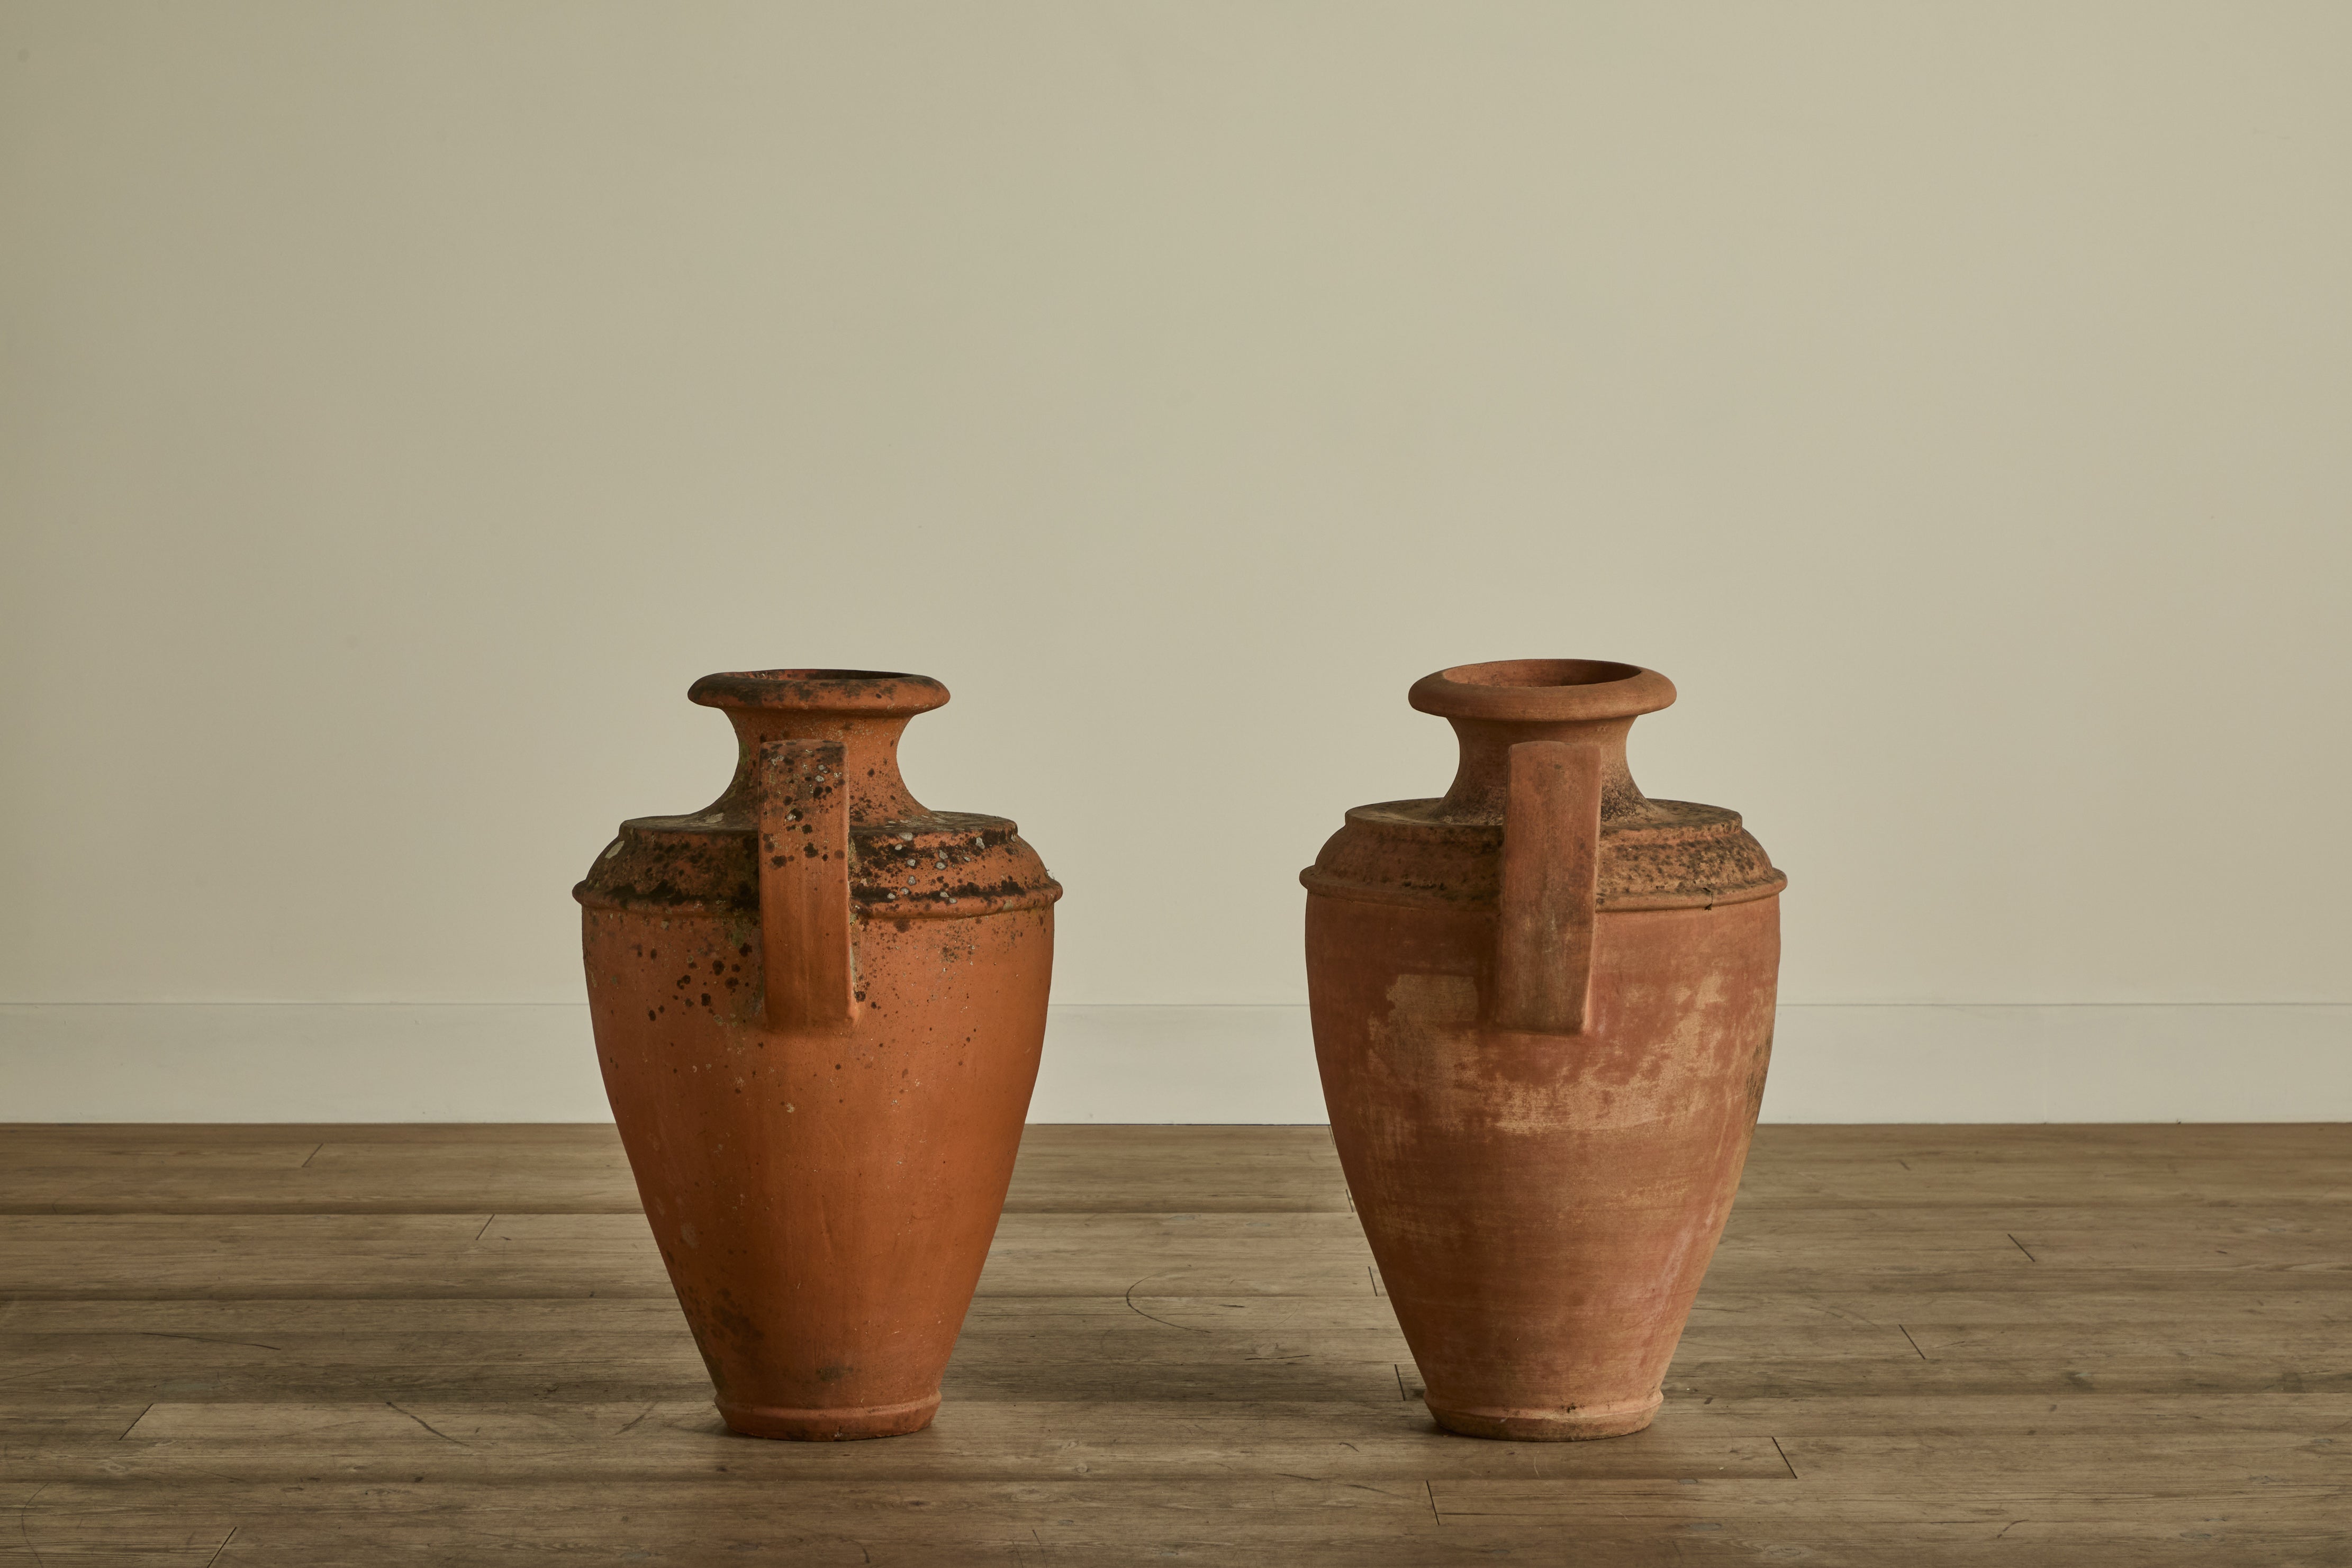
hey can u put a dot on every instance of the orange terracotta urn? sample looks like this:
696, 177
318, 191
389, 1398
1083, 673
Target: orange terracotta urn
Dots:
819, 1005
1542, 1008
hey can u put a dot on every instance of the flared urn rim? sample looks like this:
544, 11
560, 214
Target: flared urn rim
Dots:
1542, 691
820, 690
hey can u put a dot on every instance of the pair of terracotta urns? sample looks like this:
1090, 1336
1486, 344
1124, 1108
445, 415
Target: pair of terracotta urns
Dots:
1542, 1006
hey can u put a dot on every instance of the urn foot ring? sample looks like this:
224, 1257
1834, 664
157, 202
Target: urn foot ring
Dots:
841, 1425
1569, 1424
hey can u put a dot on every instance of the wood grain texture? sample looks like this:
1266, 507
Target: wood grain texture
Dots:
455, 1345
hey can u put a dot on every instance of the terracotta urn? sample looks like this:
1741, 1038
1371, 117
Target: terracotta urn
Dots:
1542, 1009
818, 1006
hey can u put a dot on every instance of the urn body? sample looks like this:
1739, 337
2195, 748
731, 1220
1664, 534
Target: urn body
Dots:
818, 1008
1542, 1010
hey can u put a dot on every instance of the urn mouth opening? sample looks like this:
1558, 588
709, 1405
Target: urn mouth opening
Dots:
1543, 690
820, 690
1540, 673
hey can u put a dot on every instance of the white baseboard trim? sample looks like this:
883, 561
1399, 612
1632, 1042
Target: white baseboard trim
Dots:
2088, 1063
299, 1062
296, 1062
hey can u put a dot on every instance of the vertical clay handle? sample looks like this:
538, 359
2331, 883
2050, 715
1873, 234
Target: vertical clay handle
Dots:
803, 846
1551, 871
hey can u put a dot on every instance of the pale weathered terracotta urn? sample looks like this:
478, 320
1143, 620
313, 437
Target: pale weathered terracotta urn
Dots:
819, 1006
1542, 1008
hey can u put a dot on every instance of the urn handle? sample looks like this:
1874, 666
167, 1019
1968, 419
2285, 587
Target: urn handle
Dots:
807, 963
1551, 877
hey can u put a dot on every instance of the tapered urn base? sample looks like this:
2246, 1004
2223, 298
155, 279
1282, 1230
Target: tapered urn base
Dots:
1573, 1424
843, 1426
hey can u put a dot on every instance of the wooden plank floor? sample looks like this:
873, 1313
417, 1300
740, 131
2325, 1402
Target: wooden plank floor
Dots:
455, 1345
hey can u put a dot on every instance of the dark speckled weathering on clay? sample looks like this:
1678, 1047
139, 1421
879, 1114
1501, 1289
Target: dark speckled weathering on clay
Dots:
819, 1007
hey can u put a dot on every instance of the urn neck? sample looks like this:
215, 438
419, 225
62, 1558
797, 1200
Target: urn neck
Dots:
1494, 707
864, 710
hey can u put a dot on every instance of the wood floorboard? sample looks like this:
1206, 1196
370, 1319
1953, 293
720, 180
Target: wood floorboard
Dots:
264, 1345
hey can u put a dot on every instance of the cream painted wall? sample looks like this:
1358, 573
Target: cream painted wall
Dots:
403, 402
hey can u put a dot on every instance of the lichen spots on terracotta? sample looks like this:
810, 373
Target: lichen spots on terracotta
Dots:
843, 1177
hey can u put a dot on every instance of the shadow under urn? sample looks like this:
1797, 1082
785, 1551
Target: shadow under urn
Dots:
1542, 1009
819, 1006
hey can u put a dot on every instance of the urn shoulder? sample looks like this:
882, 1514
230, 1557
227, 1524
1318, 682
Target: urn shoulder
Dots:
1448, 851
906, 861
